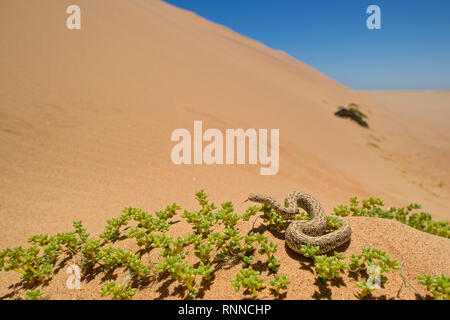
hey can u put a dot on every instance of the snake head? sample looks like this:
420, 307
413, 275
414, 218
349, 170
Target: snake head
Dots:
256, 198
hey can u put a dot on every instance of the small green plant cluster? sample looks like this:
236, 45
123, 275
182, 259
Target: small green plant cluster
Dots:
375, 263
372, 207
185, 273
353, 112
327, 267
122, 291
112, 229
333, 223
438, 286
36, 263
355, 108
27, 262
111, 258
372, 262
280, 283
33, 294
267, 249
250, 280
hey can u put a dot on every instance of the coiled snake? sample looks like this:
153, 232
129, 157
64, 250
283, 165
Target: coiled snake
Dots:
302, 232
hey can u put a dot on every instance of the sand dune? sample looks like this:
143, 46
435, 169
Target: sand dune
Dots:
86, 118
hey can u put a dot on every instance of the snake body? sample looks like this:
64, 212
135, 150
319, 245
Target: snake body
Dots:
302, 232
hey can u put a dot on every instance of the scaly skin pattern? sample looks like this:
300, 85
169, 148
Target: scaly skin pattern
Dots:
302, 232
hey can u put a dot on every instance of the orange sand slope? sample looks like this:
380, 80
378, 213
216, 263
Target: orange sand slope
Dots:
86, 118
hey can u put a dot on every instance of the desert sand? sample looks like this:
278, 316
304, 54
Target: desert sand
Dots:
86, 118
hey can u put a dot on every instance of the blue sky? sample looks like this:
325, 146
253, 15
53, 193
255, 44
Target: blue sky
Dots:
411, 51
